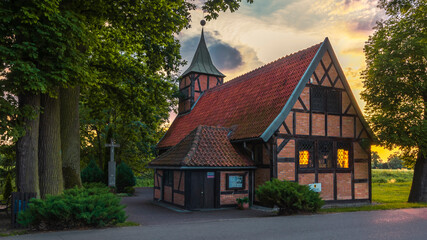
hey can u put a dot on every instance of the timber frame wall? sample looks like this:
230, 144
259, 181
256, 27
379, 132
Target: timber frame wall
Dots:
179, 191
192, 86
343, 126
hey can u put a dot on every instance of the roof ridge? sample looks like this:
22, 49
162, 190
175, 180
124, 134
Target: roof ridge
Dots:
236, 79
194, 144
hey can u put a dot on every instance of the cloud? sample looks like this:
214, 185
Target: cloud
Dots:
224, 56
264, 8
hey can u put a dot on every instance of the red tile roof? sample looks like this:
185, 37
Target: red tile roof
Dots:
248, 103
205, 146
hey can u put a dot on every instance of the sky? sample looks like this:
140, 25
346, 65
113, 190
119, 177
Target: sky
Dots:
266, 30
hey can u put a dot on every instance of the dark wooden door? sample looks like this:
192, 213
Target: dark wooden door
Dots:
196, 190
202, 190
209, 190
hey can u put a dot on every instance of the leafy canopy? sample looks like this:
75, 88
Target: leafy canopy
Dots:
395, 76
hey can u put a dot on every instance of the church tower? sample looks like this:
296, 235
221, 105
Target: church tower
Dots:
200, 76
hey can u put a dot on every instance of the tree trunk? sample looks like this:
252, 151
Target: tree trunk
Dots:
70, 136
27, 147
50, 163
419, 182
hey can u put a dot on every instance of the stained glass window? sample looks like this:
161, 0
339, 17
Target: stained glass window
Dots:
305, 154
303, 157
343, 155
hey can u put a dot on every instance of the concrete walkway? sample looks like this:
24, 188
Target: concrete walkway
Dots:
142, 210
379, 225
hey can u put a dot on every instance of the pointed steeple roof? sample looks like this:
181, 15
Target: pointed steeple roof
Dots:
202, 62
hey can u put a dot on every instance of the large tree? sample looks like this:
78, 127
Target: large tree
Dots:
395, 84
40, 52
50, 49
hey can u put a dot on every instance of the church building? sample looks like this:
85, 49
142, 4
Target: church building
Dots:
293, 119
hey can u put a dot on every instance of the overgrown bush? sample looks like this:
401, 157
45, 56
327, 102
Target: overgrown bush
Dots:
289, 197
77, 207
125, 177
92, 173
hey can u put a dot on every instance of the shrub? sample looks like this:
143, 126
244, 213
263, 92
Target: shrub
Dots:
124, 178
7, 191
129, 190
92, 173
289, 197
76, 207
94, 185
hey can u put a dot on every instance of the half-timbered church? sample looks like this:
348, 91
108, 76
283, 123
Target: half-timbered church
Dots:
294, 119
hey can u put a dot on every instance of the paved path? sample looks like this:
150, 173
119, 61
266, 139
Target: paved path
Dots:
378, 225
141, 209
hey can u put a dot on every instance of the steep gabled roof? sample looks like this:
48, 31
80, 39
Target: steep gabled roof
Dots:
205, 146
325, 47
256, 103
202, 62
248, 103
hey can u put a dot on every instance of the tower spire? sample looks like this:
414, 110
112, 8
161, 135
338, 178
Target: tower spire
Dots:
202, 62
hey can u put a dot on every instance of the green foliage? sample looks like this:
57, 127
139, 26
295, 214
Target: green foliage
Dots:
395, 76
94, 185
92, 173
124, 178
40, 47
213, 7
146, 179
394, 162
390, 176
7, 191
130, 191
289, 197
77, 207
375, 160
242, 200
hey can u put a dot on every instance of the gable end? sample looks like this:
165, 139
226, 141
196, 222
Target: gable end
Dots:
325, 47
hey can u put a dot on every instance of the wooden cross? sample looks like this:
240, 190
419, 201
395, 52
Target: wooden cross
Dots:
112, 145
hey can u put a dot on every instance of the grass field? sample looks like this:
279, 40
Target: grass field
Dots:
391, 191
391, 175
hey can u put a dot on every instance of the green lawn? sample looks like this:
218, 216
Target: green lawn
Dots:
390, 190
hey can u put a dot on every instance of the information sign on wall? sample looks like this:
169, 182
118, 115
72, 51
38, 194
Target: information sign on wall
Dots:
315, 187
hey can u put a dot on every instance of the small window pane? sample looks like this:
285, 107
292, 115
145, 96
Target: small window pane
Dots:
305, 154
324, 158
235, 181
334, 101
317, 99
168, 178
